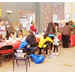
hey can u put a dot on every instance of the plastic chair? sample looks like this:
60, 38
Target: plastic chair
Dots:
25, 57
6, 50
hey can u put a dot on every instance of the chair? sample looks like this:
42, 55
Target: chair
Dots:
6, 50
20, 51
48, 43
30, 48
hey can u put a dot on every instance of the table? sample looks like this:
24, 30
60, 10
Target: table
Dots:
15, 45
72, 39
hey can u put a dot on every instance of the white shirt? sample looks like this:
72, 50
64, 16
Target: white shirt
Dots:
56, 41
12, 39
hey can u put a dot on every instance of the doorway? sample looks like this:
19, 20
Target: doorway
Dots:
25, 18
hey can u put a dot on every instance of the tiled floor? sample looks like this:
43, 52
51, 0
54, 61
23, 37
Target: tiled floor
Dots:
65, 62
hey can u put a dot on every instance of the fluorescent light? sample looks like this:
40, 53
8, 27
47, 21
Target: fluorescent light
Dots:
9, 11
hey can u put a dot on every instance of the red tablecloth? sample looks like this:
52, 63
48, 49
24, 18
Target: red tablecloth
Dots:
15, 45
60, 37
72, 39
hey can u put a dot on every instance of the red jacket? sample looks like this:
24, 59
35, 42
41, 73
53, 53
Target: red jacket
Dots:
32, 28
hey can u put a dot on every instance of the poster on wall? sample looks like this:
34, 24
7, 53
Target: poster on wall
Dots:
8, 24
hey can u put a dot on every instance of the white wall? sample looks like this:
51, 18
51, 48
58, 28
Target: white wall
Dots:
67, 10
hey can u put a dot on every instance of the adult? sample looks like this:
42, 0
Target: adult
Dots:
51, 31
2, 28
32, 27
19, 35
56, 26
31, 37
72, 26
66, 32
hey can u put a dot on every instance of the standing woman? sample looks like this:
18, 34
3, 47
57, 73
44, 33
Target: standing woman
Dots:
66, 32
32, 27
51, 31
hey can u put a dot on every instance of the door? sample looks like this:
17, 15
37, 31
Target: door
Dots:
25, 18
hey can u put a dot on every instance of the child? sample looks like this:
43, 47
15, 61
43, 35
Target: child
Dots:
56, 43
12, 38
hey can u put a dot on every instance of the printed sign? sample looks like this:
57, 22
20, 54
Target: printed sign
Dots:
8, 24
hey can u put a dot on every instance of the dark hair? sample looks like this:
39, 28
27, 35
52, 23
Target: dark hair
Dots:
20, 30
45, 35
50, 24
12, 33
70, 21
67, 23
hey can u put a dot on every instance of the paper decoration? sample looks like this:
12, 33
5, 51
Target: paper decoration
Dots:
67, 16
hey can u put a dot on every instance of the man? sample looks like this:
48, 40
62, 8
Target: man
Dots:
32, 26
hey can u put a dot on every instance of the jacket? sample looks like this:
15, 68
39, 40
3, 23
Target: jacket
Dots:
31, 39
66, 30
32, 28
42, 41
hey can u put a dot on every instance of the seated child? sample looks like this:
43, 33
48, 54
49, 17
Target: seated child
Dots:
56, 43
19, 35
12, 38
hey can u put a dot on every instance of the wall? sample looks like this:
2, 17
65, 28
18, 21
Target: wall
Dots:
67, 9
15, 6
41, 12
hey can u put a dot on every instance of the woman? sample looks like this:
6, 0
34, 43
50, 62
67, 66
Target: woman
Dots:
32, 27
51, 31
66, 32
56, 26
43, 40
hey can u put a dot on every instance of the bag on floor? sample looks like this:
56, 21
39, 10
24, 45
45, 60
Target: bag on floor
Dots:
23, 44
38, 58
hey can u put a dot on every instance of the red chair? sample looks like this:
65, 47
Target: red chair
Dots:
6, 50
